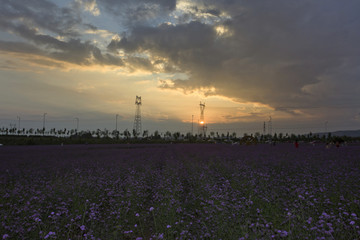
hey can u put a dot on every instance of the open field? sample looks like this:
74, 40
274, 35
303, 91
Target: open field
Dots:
179, 191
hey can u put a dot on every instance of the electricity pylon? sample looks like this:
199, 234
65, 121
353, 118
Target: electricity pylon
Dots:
137, 120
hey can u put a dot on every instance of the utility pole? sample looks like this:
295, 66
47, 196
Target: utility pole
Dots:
326, 126
264, 129
19, 123
192, 125
77, 125
44, 123
270, 126
117, 115
326, 130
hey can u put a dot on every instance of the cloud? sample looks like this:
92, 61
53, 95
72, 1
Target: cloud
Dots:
293, 56
19, 47
135, 12
90, 6
280, 53
118, 6
201, 11
176, 44
73, 51
41, 13
52, 32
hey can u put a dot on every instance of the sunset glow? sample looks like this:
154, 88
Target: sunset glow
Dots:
88, 59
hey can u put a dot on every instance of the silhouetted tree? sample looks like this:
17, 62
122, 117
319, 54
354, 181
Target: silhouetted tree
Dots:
115, 134
167, 135
157, 135
127, 134
176, 135
134, 133
145, 134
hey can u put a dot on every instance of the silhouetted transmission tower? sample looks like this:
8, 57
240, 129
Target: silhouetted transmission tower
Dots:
137, 120
202, 125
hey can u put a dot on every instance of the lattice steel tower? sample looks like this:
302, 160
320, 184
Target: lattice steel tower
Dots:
270, 126
202, 125
137, 120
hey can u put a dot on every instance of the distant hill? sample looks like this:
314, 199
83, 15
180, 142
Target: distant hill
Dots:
348, 133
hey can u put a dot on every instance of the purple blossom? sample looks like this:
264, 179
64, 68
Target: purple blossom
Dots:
49, 235
205, 188
283, 233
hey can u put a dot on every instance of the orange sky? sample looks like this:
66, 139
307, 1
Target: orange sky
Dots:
88, 59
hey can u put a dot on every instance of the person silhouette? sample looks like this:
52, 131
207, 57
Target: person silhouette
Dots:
296, 144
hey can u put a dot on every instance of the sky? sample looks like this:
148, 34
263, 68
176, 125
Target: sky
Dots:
296, 61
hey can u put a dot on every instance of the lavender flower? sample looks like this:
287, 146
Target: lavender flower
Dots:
49, 235
203, 190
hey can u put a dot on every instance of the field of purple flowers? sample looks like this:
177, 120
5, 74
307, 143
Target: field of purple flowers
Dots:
179, 191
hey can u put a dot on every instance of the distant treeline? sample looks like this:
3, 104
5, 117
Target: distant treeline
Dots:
116, 137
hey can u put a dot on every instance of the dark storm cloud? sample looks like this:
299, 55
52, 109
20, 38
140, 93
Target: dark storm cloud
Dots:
28, 49
19, 47
73, 50
25, 20
139, 63
117, 6
180, 45
288, 54
90, 26
285, 53
177, 43
40, 13
134, 12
